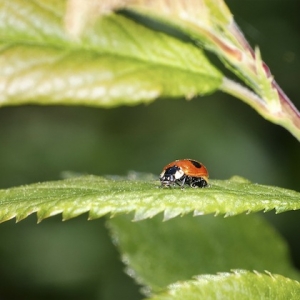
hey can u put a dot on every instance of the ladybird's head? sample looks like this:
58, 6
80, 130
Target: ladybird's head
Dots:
169, 176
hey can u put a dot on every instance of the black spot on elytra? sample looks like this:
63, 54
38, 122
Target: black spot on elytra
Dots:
195, 163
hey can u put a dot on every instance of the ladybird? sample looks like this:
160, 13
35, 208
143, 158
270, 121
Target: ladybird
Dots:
184, 171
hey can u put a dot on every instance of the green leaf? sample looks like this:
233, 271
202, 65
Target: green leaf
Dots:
210, 24
100, 196
160, 253
116, 61
239, 285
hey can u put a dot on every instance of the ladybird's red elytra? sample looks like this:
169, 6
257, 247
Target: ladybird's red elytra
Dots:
184, 171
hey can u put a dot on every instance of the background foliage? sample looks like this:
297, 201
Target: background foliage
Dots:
38, 143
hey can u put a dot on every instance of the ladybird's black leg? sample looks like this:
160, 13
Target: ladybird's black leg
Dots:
184, 179
204, 183
189, 181
193, 182
181, 181
178, 182
198, 182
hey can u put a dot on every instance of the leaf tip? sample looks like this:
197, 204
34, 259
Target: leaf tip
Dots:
229, 214
171, 213
198, 213
142, 214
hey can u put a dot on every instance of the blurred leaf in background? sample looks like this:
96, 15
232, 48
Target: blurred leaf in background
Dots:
57, 260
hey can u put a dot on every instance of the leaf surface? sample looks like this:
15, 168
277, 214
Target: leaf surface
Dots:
115, 61
239, 285
160, 253
141, 195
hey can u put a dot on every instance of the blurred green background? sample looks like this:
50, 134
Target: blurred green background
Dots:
39, 143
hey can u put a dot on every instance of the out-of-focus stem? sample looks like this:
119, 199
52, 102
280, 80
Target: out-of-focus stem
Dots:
239, 91
211, 25
287, 117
